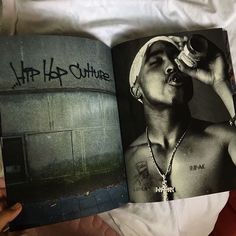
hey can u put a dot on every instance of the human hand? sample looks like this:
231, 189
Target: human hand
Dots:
7, 214
210, 70
90, 226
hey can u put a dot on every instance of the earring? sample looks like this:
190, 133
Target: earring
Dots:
135, 93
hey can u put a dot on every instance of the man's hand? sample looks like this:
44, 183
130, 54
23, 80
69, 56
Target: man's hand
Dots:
213, 75
211, 70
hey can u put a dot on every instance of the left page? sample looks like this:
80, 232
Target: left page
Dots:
61, 141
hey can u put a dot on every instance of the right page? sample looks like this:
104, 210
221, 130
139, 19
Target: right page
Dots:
177, 115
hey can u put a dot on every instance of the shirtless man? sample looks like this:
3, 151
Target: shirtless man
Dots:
178, 156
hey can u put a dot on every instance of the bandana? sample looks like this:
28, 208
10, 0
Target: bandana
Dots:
138, 60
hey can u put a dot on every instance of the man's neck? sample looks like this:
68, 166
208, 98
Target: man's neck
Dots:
166, 124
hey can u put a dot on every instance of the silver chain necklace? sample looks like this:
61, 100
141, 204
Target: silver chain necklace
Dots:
165, 189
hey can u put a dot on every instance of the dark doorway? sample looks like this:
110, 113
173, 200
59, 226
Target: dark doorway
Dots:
13, 157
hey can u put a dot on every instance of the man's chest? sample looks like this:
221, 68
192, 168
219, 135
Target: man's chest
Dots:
193, 170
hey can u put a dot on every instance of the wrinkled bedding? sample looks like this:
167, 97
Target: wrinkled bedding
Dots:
114, 22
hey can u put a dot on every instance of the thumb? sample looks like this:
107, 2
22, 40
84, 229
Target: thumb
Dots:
9, 214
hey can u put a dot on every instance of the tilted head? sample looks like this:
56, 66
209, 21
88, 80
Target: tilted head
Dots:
154, 76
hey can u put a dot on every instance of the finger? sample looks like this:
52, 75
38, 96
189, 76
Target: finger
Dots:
2, 182
196, 73
3, 205
180, 40
9, 214
3, 193
184, 68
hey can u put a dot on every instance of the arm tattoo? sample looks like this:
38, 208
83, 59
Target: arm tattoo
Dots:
142, 169
143, 181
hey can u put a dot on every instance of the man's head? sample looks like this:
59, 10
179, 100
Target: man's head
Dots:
154, 76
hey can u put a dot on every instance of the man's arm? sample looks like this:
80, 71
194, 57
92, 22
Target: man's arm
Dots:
215, 75
224, 92
232, 145
139, 179
220, 82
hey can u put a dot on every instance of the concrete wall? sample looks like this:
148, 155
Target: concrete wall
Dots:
57, 95
69, 133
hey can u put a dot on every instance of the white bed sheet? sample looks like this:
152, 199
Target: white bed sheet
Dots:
114, 22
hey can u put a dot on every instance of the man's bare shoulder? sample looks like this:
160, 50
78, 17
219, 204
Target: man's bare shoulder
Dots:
222, 131
136, 147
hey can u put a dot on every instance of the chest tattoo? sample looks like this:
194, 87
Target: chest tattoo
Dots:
197, 167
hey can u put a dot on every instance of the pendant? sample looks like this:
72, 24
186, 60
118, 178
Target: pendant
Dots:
164, 190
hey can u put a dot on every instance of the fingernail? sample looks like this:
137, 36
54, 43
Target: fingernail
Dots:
16, 206
6, 228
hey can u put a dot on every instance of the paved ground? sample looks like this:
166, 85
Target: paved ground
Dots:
72, 207
41, 190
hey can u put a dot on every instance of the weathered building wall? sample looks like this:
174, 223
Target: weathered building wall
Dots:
71, 133
58, 107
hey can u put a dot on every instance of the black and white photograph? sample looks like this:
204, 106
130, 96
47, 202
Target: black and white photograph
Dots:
177, 115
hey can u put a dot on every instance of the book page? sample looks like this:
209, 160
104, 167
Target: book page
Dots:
175, 101
60, 129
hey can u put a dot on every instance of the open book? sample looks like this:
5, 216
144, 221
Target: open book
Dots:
86, 128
